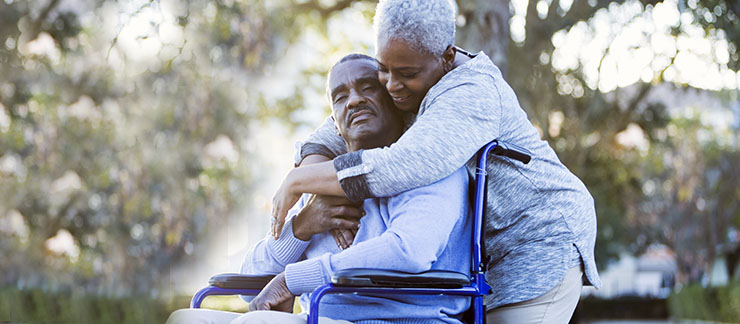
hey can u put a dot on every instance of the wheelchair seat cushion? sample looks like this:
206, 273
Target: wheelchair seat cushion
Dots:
240, 281
390, 278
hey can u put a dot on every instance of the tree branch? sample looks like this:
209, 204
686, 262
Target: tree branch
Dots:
325, 12
36, 28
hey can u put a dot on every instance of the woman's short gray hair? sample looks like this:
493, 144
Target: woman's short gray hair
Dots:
426, 25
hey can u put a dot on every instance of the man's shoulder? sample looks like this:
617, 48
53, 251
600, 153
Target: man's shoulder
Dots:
454, 184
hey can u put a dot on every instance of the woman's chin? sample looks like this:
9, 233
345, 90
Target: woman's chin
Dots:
406, 105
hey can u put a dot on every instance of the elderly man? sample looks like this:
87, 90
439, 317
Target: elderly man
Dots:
396, 233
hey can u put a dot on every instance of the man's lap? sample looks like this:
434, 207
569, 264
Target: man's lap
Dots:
207, 316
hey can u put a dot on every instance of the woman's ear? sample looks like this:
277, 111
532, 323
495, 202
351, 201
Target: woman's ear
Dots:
448, 58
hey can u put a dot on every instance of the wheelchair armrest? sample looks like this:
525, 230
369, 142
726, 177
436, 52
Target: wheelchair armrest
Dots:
513, 151
240, 281
360, 277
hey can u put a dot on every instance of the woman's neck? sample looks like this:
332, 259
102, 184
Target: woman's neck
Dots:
461, 56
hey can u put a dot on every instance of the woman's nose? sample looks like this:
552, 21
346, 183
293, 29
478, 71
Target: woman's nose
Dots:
392, 84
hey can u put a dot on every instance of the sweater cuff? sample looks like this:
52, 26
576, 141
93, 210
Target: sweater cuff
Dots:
351, 173
307, 149
305, 276
287, 248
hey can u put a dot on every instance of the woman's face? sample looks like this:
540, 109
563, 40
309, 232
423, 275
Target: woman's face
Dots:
408, 74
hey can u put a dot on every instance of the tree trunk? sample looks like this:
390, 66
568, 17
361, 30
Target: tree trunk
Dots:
485, 28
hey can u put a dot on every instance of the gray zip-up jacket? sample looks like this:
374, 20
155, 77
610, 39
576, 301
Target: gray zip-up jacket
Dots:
540, 218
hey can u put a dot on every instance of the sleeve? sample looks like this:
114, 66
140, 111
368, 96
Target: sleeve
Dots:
270, 256
455, 124
411, 243
323, 141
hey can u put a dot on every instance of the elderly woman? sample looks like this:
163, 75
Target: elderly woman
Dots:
540, 226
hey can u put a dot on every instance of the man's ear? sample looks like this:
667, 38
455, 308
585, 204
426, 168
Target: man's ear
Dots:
336, 129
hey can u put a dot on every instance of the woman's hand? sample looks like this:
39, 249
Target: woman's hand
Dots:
284, 199
319, 178
275, 296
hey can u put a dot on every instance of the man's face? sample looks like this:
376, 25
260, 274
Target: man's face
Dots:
363, 111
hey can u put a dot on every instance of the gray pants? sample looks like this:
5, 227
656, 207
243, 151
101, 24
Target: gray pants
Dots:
554, 307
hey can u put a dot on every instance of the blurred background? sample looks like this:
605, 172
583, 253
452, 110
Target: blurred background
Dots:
141, 141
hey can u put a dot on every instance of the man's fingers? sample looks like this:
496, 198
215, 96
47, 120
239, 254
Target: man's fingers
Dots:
257, 304
349, 236
336, 200
348, 212
342, 223
339, 238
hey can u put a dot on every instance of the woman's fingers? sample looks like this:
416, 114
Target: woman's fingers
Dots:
282, 201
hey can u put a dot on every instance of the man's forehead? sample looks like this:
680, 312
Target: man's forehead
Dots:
352, 70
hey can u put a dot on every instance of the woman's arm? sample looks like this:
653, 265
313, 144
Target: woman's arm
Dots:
457, 118
452, 126
318, 178
324, 141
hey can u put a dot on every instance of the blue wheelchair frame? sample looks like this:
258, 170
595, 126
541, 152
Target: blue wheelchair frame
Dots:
384, 282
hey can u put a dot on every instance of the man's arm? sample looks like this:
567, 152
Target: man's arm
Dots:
311, 215
411, 243
270, 255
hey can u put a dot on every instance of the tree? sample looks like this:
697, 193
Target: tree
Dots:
124, 126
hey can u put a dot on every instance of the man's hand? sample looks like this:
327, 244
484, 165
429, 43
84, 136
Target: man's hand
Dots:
275, 296
343, 237
324, 213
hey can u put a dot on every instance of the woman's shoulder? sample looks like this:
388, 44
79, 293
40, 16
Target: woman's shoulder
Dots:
477, 72
463, 82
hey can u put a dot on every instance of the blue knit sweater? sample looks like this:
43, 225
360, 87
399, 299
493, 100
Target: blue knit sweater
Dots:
397, 234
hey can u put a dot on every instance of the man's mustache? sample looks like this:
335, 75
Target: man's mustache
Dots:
357, 109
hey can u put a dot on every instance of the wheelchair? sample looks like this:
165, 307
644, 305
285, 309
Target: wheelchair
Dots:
387, 282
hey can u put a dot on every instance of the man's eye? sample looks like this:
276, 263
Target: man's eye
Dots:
339, 98
409, 75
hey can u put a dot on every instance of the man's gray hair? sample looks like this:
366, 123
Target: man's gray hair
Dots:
426, 25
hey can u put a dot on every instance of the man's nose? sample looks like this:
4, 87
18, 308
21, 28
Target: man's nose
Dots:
355, 98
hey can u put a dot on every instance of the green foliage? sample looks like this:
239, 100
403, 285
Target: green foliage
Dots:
582, 120
720, 17
125, 126
626, 307
38, 306
719, 304
135, 161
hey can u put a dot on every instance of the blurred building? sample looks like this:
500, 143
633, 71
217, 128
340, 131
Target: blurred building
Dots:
649, 275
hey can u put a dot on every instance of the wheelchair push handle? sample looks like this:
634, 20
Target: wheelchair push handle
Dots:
512, 151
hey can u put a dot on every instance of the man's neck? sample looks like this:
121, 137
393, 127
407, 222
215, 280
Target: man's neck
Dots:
374, 142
